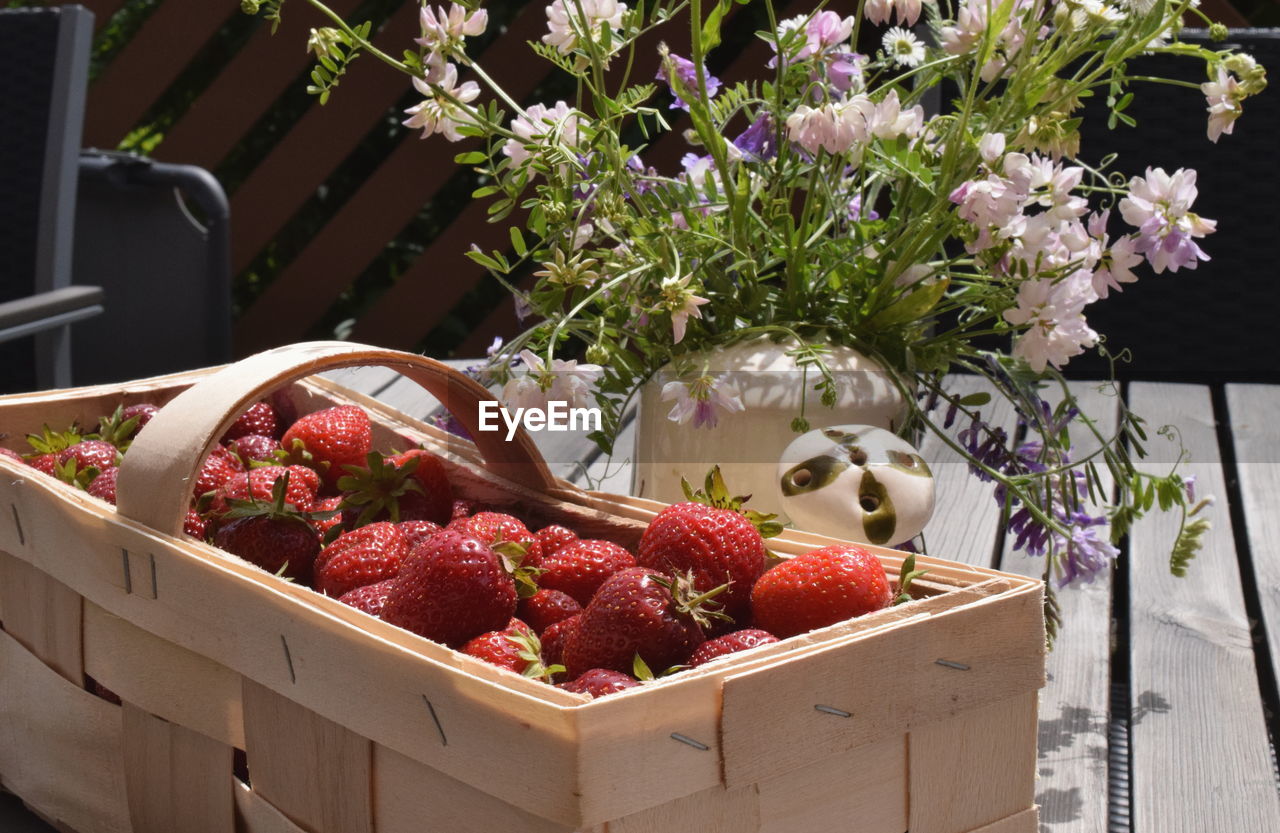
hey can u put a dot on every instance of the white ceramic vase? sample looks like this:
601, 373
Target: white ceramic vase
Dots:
748, 444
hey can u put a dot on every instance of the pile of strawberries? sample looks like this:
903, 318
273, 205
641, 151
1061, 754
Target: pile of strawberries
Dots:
314, 503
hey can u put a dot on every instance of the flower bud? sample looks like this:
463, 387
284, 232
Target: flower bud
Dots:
250, 6
1218, 32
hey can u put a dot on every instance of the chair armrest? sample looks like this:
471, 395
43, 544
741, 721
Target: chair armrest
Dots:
47, 310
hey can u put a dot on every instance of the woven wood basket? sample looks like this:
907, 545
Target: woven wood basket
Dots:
919, 717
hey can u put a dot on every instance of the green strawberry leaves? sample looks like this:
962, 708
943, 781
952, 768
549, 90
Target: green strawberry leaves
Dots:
377, 489
908, 574
715, 493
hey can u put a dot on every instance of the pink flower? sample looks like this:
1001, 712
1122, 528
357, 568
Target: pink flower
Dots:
439, 113
1159, 206
879, 11
568, 21
1053, 313
825, 30
541, 126
700, 399
679, 300
1114, 264
443, 30
1223, 96
836, 127
565, 381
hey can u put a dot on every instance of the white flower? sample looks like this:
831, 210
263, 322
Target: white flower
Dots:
837, 127
679, 300
1223, 97
879, 11
438, 113
567, 22
903, 47
1053, 312
443, 30
542, 126
887, 120
565, 381
991, 147
699, 400
1159, 206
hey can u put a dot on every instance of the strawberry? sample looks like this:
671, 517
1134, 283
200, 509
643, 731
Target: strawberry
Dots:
326, 514
515, 648
600, 681
415, 532
195, 525
552, 538
104, 485
259, 483
96, 453
546, 607
254, 448
820, 588
451, 588
579, 568
47, 463
463, 509
330, 439
730, 643
371, 598
11, 454
362, 556
497, 527
718, 545
259, 418
553, 639
143, 411
402, 487
218, 467
274, 536
119, 429
637, 612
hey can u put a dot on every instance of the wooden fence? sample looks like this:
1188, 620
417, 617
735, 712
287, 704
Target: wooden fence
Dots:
342, 221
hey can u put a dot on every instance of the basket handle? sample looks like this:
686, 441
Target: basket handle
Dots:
154, 483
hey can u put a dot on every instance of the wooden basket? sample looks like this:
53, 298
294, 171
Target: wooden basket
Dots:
922, 716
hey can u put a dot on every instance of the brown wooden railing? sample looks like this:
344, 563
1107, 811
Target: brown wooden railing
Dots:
305, 259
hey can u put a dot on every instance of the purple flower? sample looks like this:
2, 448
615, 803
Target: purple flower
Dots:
448, 422
1084, 554
986, 445
756, 142
844, 71
687, 76
855, 210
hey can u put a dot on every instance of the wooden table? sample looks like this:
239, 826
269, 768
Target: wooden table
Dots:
1162, 691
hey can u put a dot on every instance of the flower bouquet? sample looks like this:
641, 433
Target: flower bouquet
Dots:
907, 181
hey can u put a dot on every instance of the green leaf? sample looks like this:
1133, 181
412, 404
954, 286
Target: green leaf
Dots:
711, 27
910, 307
517, 242
474, 157
975, 400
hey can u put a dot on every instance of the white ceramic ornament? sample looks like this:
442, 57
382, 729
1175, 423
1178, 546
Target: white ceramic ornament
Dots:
856, 482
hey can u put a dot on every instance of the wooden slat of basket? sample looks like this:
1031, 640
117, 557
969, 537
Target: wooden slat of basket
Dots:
254, 814
714, 810
863, 789
410, 797
149, 63
176, 778
974, 768
320, 140
315, 771
60, 746
44, 615
166, 680
244, 88
1028, 821
770, 723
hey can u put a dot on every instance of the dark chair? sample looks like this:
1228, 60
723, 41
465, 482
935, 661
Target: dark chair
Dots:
156, 237
1216, 323
42, 98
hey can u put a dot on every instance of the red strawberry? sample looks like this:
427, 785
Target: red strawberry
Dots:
362, 556
254, 448
718, 545
258, 484
635, 612
104, 485
553, 639
259, 418
515, 648
330, 439
195, 526
451, 588
47, 463
403, 487
371, 598
493, 527
600, 681
546, 607
101, 455
216, 470
144, 411
276, 538
323, 507
730, 643
11, 454
463, 509
436, 502
415, 532
552, 538
581, 567
820, 588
